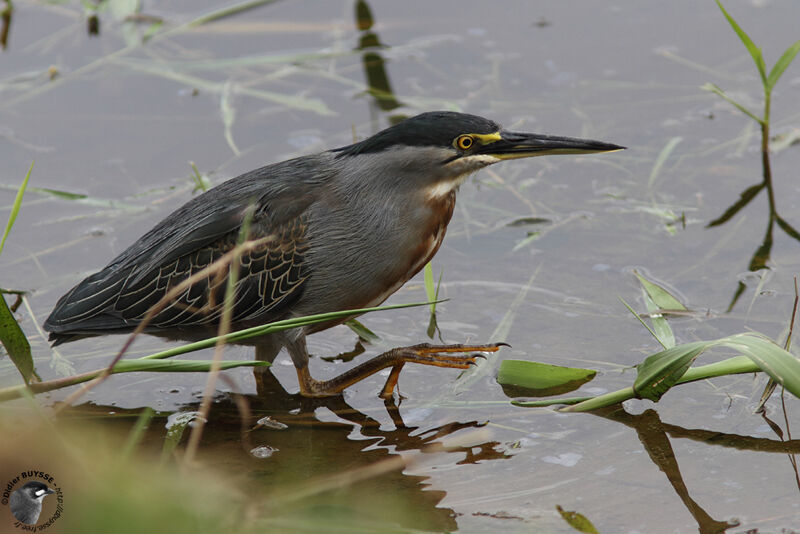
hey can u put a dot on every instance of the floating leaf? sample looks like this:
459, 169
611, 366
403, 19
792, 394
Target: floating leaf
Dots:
577, 521
522, 377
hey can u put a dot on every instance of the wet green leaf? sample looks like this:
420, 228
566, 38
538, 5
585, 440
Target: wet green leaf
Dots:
541, 377
658, 299
577, 521
660, 296
362, 331
659, 372
780, 364
15, 342
430, 288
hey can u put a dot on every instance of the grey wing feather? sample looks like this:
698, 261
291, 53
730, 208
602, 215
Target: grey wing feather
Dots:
116, 298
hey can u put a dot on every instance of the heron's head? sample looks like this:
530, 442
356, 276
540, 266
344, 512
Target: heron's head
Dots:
439, 149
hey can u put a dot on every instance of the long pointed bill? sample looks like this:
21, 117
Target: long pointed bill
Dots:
512, 145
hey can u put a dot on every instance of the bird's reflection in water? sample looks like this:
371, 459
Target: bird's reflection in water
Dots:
325, 438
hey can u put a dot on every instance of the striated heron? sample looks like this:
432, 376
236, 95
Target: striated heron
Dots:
343, 229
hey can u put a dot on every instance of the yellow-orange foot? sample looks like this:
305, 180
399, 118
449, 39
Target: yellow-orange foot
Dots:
450, 356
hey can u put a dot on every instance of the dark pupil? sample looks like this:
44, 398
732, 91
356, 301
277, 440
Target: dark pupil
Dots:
466, 142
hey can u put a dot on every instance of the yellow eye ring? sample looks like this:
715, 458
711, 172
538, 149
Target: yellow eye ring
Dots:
464, 142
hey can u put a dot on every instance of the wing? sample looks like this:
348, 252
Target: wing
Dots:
190, 239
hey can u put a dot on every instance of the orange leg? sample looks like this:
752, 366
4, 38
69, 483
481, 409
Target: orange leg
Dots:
449, 356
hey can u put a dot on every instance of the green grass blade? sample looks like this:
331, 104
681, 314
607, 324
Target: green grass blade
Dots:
80, 198
228, 11
549, 402
430, 288
601, 401
779, 67
781, 365
662, 157
179, 366
277, 326
228, 113
755, 52
716, 90
137, 432
15, 208
15, 342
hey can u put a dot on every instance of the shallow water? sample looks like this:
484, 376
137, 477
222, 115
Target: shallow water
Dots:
119, 126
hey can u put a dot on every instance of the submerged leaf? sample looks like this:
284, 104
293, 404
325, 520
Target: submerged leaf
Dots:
662, 158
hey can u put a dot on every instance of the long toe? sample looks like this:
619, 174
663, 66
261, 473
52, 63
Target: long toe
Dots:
448, 356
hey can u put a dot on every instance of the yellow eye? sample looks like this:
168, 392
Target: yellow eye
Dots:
464, 142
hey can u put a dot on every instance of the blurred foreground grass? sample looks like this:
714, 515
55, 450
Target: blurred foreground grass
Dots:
106, 490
